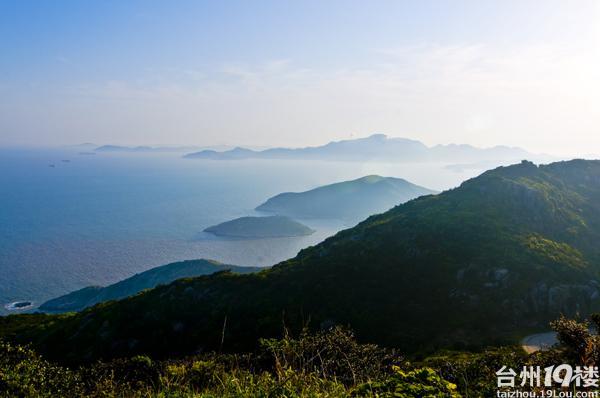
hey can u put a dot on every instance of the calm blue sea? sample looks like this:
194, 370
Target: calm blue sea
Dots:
98, 219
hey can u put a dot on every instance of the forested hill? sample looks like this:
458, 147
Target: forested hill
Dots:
88, 296
481, 264
348, 200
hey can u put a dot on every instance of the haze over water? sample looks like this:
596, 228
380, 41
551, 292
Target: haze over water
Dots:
98, 219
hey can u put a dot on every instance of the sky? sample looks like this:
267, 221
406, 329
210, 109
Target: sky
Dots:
296, 73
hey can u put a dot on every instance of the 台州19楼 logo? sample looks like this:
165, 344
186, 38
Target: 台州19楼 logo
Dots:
552, 381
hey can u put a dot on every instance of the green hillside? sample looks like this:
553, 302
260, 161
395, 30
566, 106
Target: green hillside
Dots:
485, 263
88, 296
349, 200
260, 227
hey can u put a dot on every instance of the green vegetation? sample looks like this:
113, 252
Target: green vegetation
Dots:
260, 227
325, 364
555, 251
165, 274
439, 278
484, 264
349, 200
415, 383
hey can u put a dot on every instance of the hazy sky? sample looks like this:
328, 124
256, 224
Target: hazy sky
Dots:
520, 72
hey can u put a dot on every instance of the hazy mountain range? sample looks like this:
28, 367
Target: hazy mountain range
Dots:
377, 147
150, 149
118, 148
485, 263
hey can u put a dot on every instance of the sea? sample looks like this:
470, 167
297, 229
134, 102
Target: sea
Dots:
70, 219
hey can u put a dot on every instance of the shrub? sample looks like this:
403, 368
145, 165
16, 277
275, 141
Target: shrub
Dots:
423, 383
476, 372
334, 354
575, 337
23, 373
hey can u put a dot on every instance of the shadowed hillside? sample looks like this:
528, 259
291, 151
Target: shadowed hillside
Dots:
88, 296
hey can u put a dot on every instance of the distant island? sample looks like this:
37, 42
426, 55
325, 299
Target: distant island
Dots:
260, 227
118, 148
377, 147
349, 200
165, 274
85, 146
159, 149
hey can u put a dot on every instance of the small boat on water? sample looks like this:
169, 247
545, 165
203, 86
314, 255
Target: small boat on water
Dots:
51, 165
